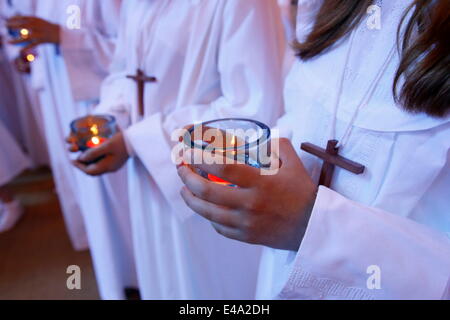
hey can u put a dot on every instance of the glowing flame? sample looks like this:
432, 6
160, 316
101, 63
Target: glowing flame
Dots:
30, 57
24, 33
95, 141
234, 143
94, 130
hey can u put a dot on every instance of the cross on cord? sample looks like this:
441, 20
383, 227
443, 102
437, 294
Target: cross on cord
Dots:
331, 159
141, 79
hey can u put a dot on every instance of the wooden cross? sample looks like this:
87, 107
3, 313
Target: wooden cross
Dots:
331, 159
141, 79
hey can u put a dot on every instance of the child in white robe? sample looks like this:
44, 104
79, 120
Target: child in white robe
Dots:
211, 59
24, 121
75, 43
377, 233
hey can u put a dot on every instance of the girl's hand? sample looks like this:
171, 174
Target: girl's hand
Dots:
108, 157
269, 210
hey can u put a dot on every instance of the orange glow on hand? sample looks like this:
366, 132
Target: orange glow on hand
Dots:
218, 180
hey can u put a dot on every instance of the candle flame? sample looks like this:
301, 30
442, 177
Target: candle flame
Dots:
24, 33
234, 143
95, 141
30, 57
94, 130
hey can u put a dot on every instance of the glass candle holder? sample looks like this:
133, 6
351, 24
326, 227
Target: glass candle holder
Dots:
24, 60
19, 34
91, 131
231, 140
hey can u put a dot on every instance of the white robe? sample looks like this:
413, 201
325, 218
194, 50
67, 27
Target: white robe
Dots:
392, 219
24, 121
212, 59
69, 77
12, 158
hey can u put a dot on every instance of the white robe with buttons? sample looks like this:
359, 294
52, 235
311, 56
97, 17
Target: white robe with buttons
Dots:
383, 234
68, 78
212, 59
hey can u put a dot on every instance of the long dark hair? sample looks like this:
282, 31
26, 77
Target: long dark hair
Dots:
425, 56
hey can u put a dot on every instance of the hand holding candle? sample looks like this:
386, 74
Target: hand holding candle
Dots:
92, 131
102, 145
32, 31
107, 157
270, 210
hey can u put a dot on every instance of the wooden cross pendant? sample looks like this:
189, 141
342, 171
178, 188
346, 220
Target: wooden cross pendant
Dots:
141, 79
331, 159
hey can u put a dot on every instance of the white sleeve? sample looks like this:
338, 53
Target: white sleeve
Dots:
88, 51
351, 251
250, 64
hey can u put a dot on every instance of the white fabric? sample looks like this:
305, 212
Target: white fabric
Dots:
69, 77
24, 121
212, 59
395, 215
12, 159
10, 214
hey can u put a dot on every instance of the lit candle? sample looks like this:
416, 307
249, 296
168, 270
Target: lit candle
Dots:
20, 34
92, 131
30, 57
95, 142
24, 33
233, 144
237, 139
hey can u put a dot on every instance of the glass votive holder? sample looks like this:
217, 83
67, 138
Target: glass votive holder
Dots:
228, 141
91, 131
19, 34
24, 60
